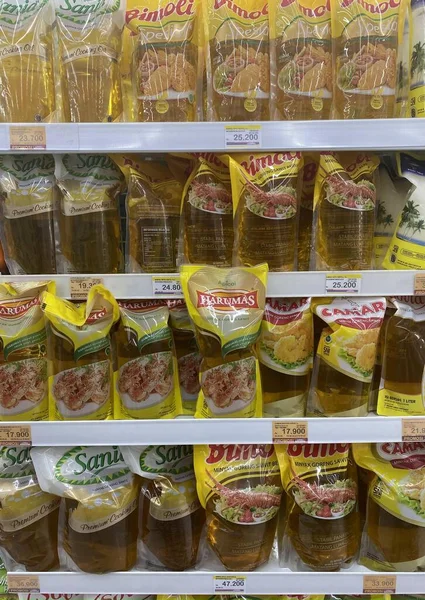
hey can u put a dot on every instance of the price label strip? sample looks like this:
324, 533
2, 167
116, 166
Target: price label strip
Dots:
413, 430
27, 137
288, 432
243, 136
167, 286
379, 584
342, 283
80, 286
20, 582
15, 435
229, 584
419, 287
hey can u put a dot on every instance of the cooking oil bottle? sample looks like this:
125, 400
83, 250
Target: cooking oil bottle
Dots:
26, 67
345, 211
305, 225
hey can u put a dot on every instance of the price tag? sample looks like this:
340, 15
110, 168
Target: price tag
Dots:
167, 286
27, 137
379, 584
229, 584
342, 283
20, 582
15, 435
286, 432
243, 136
413, 430
80, 286
419, 289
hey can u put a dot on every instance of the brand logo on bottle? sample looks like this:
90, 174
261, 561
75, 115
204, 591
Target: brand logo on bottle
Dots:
407, 455
84, 465
15, 462
317, 11
280, 312
167, 460
181, 8
25, 168
232, 452
257, 163
141, 305
358, 310
240, 11
19, 9
375, 8
98, 166
224, 301
317, 450
96, 315
14, 310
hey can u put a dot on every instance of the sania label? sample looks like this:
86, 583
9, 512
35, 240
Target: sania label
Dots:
87, 466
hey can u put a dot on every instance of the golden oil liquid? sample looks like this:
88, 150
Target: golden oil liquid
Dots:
126, 347
305, 230
280, 386
174, 543
377, 371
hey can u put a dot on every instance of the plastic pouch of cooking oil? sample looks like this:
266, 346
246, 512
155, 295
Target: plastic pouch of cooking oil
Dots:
365, 39
322, 518
28, 197
285, 352
24, 365
153, 215
301, 59
380, 346
401, 390
171, 519
406, 249
394, 536
88, 219
237, 60
146, 382
346, 355
305, 225
161, 44
80, 348
207, 214
26, 63
188, 356
345, 211
98, 531
226, 307
265, 189
89, 43
28, 516
416, 49
239, 486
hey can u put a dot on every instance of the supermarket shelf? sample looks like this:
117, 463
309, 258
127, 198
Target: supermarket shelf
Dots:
134, 286
260, 582
374, 134
212, 431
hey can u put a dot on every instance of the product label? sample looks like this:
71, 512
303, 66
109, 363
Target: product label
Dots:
89, 51
29, 517
103, 522
71, 208
17, 212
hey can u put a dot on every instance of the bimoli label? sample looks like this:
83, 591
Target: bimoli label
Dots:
12, 211
161, 513
29, 517
89, 51
103, 522
70, 208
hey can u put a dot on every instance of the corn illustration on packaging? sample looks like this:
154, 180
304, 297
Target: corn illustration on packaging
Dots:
346, 354
239, 486
24, 365
146, 382
160, 59
265, 189
395, 526
322, 520
80, 348
300, 32
285, 352
345, 211
226, 307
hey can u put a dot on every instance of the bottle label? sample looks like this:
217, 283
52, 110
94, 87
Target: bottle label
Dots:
89, 51
12, 211
83, 526
14, 50
30, 517
71, 208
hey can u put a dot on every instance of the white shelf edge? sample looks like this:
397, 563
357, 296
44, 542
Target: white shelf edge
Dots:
293, 284
263, 582
373, 134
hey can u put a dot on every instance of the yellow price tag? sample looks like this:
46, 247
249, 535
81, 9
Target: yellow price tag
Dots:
27, 137
286, 432
379, 584
15, 435
80, 286
20, 582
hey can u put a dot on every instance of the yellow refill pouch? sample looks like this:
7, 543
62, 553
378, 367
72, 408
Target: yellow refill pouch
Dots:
265, 189
345, 211
226, 307
365, 39
237, 60
300, 34
207, 214
160, 59
24, 366
401, 390
80, 348
407, 246
146, 382
394, 536
153, 215
346, 355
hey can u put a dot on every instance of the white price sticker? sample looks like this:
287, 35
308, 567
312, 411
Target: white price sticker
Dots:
342, 283
27, 137
242, 136
229, 584
167, 286
80, 286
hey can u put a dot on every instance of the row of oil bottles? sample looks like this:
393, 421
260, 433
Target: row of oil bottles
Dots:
295, 212
237, 506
